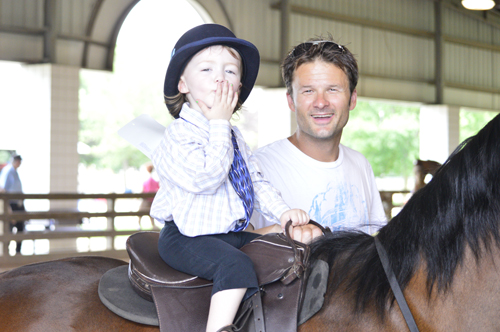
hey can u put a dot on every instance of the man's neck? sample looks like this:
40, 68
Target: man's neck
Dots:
322, 150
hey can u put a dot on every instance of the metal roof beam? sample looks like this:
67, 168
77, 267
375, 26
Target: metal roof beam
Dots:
438, 52
50, 33
88, 32
83, 39
42, 31
285, 9
389, 27
22, 30
114, 35
354, 20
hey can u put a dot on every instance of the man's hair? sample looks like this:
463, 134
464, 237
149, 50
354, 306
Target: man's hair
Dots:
17, 158
324, 49
175, 103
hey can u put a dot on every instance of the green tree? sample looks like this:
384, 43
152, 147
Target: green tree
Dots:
387, 134
472, 121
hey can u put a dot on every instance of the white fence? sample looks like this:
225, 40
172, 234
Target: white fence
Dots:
55, 233
63, 240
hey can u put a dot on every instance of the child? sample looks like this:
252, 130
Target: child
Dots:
200, 163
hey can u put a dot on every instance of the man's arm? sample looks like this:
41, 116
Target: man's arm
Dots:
304, 234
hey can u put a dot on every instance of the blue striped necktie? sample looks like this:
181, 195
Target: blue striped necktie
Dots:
242, 183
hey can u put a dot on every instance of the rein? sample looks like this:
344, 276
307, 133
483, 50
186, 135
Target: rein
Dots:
400, 298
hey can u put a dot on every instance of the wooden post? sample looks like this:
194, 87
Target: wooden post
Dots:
5, 228
111, 224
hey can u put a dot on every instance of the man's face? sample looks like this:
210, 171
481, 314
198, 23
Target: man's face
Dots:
205, 70
321, 100
16, 163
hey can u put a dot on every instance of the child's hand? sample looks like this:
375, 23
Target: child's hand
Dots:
297, 216
224, 103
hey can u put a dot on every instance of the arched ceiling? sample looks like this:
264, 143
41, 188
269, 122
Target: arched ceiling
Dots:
79, 33
74, 33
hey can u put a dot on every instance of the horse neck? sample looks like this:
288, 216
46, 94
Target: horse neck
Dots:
472, 301
338, 313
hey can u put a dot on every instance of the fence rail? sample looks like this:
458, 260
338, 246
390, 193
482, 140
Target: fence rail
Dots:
110, 232
390, 203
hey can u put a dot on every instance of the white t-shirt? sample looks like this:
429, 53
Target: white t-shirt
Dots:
341, 194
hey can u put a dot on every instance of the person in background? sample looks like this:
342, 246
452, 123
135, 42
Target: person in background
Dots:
148, 186
333, 183
11, 183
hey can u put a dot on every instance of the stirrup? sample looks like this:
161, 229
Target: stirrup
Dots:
228, 328
252, 305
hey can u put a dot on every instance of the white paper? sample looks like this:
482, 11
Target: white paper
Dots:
144, 132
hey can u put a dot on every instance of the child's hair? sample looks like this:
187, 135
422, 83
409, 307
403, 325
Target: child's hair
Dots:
174, 103
197, 39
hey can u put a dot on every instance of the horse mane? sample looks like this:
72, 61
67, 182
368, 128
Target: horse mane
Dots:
458, 208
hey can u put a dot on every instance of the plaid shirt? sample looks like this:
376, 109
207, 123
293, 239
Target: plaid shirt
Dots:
193, 161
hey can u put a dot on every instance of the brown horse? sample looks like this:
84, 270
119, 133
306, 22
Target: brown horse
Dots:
420, 169
59, 296
444, 248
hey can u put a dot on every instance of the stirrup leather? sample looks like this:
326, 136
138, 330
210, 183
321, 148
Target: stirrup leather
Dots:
228, 328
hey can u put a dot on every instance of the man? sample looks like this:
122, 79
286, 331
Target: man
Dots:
10, 182
313, 171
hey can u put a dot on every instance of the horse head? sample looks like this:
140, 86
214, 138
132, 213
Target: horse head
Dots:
420, 169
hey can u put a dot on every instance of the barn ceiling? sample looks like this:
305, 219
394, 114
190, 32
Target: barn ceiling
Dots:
405, 50
83, 33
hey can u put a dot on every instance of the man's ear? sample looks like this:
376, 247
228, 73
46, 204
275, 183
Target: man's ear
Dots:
353, 100
182, 87
291, 104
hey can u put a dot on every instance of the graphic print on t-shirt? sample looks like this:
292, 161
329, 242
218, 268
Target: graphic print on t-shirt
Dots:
348, 205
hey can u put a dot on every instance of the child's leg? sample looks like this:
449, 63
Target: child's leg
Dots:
217, 258
223, 308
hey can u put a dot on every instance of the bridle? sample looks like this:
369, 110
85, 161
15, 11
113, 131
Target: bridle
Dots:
400, 298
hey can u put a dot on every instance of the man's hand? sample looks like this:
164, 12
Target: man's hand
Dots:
305, 233
224, 103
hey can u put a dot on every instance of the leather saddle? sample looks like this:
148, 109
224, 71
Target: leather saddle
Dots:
182, 301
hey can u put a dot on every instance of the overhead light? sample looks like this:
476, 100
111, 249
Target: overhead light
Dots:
478, 4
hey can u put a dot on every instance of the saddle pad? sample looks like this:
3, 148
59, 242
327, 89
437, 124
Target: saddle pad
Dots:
315, 291
117, 295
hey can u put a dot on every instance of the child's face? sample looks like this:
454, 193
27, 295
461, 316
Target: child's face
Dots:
209, 67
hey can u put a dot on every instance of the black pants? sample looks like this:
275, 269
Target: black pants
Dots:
17, 224
212, 257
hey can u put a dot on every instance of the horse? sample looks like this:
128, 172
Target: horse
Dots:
444, 248
420, 169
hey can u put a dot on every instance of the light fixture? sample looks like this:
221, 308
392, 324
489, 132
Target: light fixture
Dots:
478, 4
